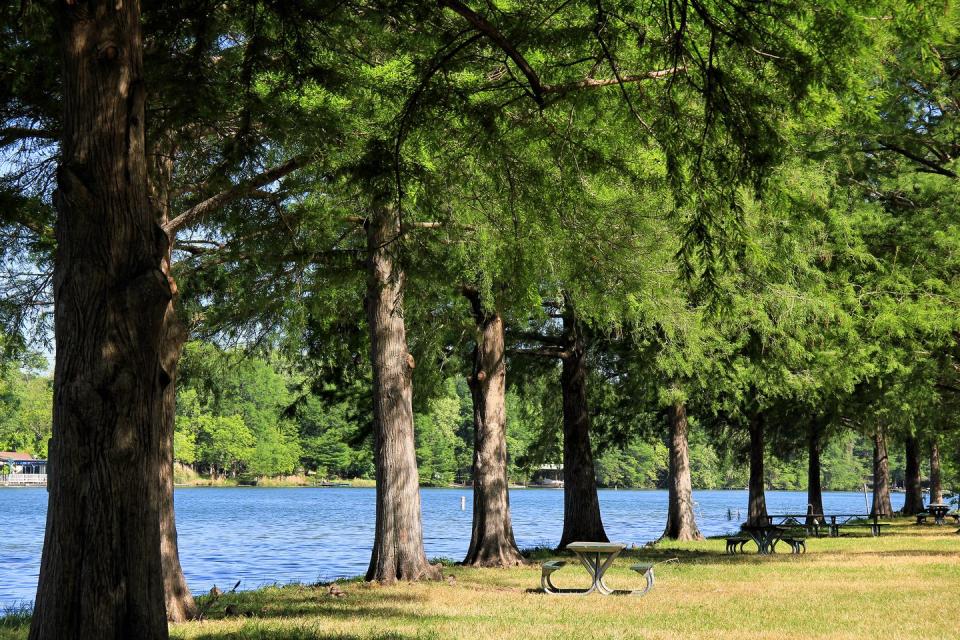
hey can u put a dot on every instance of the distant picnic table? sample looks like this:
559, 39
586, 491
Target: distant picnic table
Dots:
765, 536
939, 513
834, 521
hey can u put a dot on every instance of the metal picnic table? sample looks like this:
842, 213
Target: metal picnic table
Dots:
596, 558
765, 535
939, 512
836, 521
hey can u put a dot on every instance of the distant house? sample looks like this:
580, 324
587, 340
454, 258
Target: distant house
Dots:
22, 469
548, 475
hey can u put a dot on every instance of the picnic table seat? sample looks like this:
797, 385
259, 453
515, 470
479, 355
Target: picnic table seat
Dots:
646, 570
734, 542
797, 545
923, 516
548, 568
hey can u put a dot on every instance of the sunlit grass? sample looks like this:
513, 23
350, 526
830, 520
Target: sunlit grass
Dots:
904, 584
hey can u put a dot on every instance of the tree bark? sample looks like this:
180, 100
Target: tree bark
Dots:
491, 540
881, 477
936, 478
814, 487
581, 507
681, 523
757, 507
100, 573
913, 500
398, 543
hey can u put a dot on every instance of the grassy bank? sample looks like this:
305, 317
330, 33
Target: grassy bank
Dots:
902, 585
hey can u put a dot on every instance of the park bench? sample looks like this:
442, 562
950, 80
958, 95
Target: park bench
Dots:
548, 568
734, 542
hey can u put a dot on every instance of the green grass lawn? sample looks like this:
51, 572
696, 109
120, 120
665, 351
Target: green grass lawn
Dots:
904, 584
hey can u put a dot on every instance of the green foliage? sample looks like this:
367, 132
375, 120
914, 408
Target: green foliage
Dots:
26, 412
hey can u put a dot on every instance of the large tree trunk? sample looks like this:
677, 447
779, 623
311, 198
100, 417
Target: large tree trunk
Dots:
100, 573
881, 477
180, 604
936, 479
491, 541
814, 488
581, 507
757, 502
398, 543
681, 524
913, 500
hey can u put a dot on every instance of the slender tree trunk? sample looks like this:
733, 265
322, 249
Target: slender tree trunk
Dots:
814, 489
180, 604
757, 508
681, 523
491, 541
913, 500
398, 543
936, 479
581, 507
881, 477
100, 573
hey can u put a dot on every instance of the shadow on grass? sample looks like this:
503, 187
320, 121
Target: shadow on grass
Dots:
301, 634
313, 602
301, 612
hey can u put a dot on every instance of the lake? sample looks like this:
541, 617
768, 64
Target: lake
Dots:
262, 536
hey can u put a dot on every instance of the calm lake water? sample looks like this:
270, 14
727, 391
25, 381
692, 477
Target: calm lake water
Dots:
262, 536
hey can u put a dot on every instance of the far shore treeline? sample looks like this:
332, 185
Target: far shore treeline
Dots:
657, 242
243, 418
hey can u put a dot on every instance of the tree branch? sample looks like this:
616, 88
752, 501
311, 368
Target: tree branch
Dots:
539, 89
557, 341
9, 135
543, 352
933, 166
491, 32
594, 83
236, 192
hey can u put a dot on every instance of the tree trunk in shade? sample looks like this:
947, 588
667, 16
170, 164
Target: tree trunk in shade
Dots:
814, 489
491, 540
100, 574
398, 542
913, 500
881, 477
681, 523
757, 508
581, 507
936, 479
